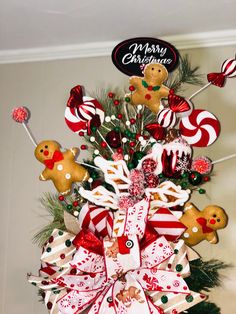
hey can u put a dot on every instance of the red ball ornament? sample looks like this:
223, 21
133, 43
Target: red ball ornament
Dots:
132, 144
116, 102
149, 165
61, 198
119, 116
132, 121
131, 88
113, 138
20, 114
119, 150
75, 203
152, 180
81, 133
206, 178
103, 144
110, 95
83, 147
131, 151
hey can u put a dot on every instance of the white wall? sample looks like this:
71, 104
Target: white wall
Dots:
44, 88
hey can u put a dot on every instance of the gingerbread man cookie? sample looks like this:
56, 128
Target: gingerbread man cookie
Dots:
202, 225
150, 89
61, 167
127, 295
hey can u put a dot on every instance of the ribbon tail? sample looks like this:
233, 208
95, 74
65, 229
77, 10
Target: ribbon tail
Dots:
104, 303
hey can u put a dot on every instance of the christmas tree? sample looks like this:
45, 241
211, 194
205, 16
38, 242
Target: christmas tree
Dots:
123, 227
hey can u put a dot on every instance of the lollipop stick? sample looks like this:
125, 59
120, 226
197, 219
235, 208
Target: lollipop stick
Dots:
224, 159
199, 91
105, 141
88, 165
29, 133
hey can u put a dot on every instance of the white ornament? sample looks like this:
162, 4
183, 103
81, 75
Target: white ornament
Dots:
124, 140
139, 107
113, 117
92, 139
75, 213
127, 123
108, 119
126, 157
90, 180
96, 152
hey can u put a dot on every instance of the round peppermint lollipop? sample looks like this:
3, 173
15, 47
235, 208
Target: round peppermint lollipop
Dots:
201, 128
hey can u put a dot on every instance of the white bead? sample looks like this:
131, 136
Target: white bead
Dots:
124, 140
140, 138
186, 235
92, 139
107, 119
139, 107
195, 229
161, 107
75, 213
113, 117
68, 176
60, 167
126, 157
127, 123
90, 180
96, 152
143, 143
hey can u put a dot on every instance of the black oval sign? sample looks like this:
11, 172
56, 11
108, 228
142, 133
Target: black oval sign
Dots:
131, 55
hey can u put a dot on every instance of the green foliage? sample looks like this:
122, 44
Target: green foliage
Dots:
55, 210
205, 275
204, 308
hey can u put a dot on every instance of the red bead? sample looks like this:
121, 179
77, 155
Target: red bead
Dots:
81, 133
139, 116
132, 144
137, 136
83, 147
103, 144
132, 121
119, 150
110, 95
62, 256
116, 102
206, 179
131, 88
75, 203
119, 116
131, 151
61, 198
149, 88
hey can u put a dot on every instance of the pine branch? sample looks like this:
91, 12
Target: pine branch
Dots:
205, 275
204, 308
185, 74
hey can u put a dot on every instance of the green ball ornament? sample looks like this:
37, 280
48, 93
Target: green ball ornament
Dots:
69, 207
94, 175
94, 128
185, 175
195, 178
117, 129
127, 99
184, 185
133, 136
201, 191
130, 165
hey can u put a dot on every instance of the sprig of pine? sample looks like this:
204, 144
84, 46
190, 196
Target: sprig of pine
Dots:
205, 275
204, 308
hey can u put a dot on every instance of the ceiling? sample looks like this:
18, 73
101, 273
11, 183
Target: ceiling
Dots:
26, 24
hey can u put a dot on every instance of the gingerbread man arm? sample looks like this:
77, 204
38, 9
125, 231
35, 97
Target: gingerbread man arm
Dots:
71, 153
190, 210
135, 81
164, 91
45, 175
212, 237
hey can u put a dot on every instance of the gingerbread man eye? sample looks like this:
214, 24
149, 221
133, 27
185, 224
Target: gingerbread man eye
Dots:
46, 146
218, 220
159, 70
152, 69
41, 150
214, 215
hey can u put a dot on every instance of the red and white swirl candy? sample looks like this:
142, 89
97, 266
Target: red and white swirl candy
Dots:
82, 112
201, 128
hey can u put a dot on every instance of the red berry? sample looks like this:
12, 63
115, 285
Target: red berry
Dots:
139, 116
61, 198
83, 147
132, 121
132, 144
206, 179
119, 150
81, 133
116, 102
110, 95
137, 136
75, 203
103, 144
131, 151
131, 88
119, 116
